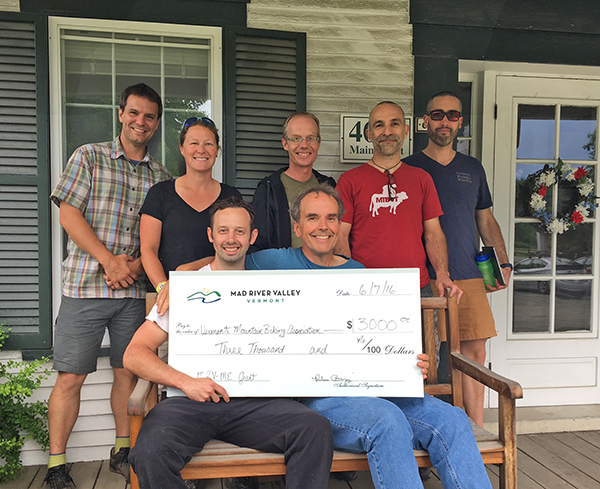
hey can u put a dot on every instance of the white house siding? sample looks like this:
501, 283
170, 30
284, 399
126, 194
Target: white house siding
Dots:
359, 52
94, 432
9, 5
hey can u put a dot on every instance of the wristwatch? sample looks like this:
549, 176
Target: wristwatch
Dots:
507, 265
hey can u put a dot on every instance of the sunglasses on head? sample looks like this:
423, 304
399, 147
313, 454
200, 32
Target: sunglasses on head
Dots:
193, 120
438, 115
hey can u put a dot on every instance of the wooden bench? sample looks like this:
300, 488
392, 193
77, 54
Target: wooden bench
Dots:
219, 459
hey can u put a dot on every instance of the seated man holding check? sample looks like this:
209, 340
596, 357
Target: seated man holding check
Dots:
178, 427
386, 429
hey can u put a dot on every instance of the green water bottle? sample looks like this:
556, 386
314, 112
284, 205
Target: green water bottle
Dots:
486, 268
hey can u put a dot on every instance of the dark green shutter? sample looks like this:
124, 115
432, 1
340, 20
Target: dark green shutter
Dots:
24, 183
265, 81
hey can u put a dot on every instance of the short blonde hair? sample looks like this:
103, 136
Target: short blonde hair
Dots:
302, 114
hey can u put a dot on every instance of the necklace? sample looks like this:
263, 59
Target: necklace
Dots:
386, 170
391, 180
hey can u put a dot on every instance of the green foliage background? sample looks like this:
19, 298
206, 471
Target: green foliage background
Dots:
20, 419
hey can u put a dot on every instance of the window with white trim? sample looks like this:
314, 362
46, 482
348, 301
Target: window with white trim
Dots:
94, 61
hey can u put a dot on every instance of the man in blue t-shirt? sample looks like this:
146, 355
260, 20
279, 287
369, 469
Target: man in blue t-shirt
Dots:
466, 201
386, 429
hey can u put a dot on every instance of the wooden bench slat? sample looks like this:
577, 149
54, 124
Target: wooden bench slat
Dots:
219, 454
237, 470
438, 389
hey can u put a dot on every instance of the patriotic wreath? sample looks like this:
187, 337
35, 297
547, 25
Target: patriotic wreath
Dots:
548, 176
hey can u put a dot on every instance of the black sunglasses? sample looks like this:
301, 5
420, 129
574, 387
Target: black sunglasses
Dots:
193, 120
438, 115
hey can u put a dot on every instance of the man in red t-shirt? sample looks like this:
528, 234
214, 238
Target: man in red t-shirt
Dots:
392, 210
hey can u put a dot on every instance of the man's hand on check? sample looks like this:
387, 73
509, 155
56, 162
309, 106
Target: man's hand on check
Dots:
204, 390
423, 363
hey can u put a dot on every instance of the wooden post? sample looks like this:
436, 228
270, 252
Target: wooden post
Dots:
507, 432
135, 423
453, 339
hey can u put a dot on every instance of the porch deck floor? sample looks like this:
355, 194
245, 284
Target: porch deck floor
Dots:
546, 461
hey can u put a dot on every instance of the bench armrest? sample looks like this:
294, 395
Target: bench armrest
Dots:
503, 386
138, 400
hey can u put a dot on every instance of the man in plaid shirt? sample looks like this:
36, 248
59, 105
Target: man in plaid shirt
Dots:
100, 194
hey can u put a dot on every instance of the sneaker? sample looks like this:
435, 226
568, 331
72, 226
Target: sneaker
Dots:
58, 478
425, 473
119, 462
241, 483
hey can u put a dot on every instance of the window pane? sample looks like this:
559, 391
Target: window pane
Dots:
531, 241
464, 94
577, 245
186, 77
137, 60
87, 125
137, 37
172, 125
573, 305
90, 34
578, 133
585, 263
135, 64
87, 72
88, 88
526, 175
187, 40
154, 145
464, 146
536, 132
531, 307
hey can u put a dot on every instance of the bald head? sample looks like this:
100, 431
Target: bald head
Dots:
386, 102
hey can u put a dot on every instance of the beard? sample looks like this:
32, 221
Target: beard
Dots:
442, 139
387, 149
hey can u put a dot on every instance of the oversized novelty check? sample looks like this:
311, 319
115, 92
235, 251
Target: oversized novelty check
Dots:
299, 333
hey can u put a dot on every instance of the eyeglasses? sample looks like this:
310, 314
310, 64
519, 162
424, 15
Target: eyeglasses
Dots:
193, 120
309, 139
438, 115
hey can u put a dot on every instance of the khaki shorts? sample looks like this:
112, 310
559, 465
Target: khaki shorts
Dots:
475, 320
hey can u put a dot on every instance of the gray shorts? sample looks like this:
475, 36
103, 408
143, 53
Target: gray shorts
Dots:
80, 327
